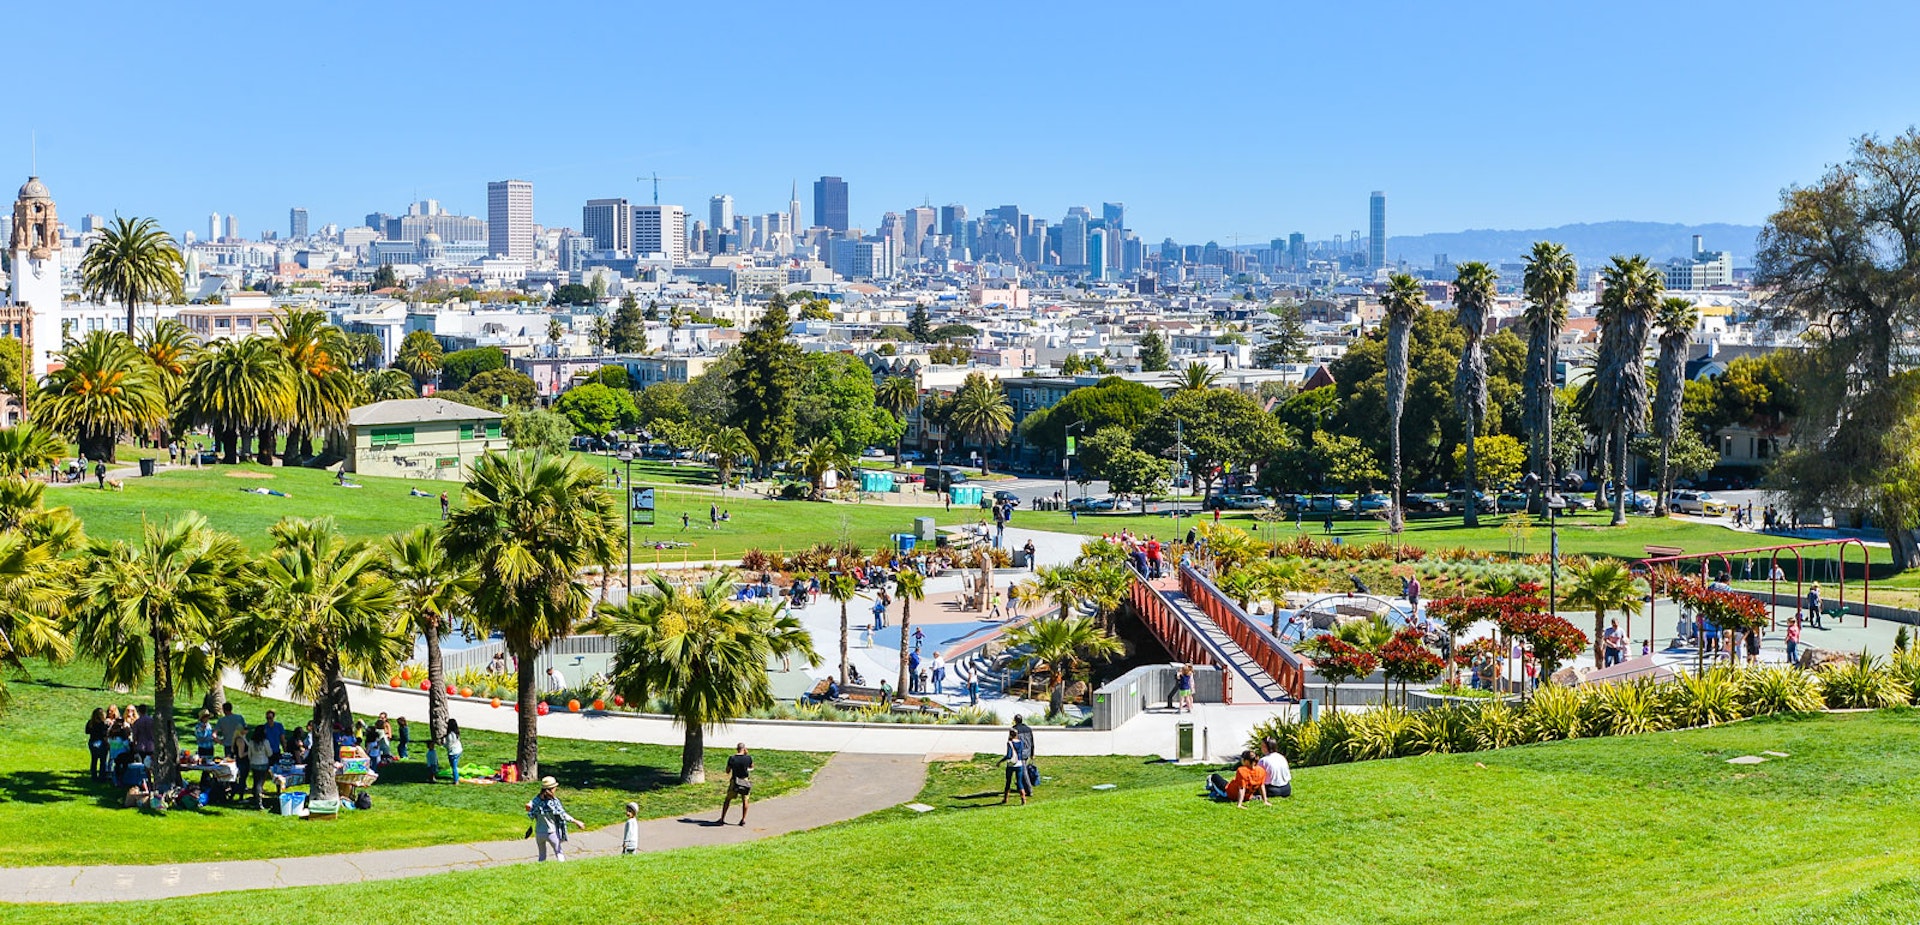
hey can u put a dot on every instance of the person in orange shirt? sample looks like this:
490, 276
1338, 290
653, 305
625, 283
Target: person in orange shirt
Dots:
1249, 780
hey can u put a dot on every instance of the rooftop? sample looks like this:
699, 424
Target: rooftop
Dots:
416, 411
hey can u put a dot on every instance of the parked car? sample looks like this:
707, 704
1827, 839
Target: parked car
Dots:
1638, 502
1236, 503
1457, 501
940, 478
1090, 505
874, 452
1698, 502
1511, 502
912, 456
1006, 497
1328, 504
1374, 501
1425, 503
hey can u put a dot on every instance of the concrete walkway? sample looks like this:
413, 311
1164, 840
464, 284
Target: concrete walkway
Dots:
847, 787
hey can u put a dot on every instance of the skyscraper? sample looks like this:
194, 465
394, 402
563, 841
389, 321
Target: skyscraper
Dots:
951, 218
609, 222
1377, 230
720, 212
213, 227
1073, 238
1114, 215
1097, 266
296, 223
233, 227
830, 203
1297, 250
510, 219
660, 230
793, 209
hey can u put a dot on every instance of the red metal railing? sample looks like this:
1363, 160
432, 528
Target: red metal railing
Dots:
1181, 642
1278, 661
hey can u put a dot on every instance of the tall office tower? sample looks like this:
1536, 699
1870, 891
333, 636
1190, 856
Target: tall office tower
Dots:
213, 228
296, 223
660, 230
510, 219
1115, 216
793, 210
91, 223
1097, 266
1073, 238
720, 212
702, 239
920, 224
1133, 253
830, 203
1033, 244
951, 218
1377, 230
743, 229
609, 222
233, 227
1297, 250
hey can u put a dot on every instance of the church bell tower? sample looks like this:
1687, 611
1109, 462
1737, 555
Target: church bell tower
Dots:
36, 275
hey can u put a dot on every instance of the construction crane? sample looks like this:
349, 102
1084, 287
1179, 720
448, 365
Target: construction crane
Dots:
656, 183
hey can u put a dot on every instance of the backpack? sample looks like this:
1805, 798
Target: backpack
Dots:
363, 800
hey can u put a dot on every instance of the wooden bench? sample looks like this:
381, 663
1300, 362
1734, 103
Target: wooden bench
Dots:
1661, 552
856, 697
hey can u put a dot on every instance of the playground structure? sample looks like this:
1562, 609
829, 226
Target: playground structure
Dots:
1775, 575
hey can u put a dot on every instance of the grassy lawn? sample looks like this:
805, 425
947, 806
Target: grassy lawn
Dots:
1647, 828
44, 789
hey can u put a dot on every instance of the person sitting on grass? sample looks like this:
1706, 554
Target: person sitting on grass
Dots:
1279, 781
1249, 780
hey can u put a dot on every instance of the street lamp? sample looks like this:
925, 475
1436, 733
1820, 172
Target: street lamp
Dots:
1555, 504
626, 456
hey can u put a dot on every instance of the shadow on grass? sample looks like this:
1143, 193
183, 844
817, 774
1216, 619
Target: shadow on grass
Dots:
51, 787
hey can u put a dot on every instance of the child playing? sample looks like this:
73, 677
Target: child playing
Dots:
630, 831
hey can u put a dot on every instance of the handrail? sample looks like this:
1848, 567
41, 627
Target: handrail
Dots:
1279, 662
1182, 642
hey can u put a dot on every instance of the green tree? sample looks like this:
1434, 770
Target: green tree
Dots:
818, 458
816, 310
628, 333
613, 377
528, 525
1404, 301
1061, 646
34, 576
133, 261
1154, 355
1110, 455
103, 389
596, 410
1627, 306
502, 388
319, 366
839, 586
458, 367
1198, 377
537, 430
1674, 321
703, 651
323, 607
1473, 302
1219, 428
919, 325
1501, 458
1550, 277
1603, 586
241, 390
419, 355
765, 385
572, 294
728, 446
1111, 402
837, 402
384, 385
662, 401
26, 448
1346, 461
13, 370
429, 588
981, 414
949, 332
385, 278
1287, 339
908, 586
899, 396
172, 350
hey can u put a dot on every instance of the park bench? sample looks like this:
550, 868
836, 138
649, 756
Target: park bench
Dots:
1661, 552
854, 696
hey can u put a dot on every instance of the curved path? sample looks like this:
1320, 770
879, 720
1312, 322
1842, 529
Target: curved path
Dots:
847, 786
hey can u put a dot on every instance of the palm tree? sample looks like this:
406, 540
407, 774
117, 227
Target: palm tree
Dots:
1603, 585
241, 389
1550, 277
33, 575
1675, 323
28, 448
103, 389
1403, 302
172, 349
818, 458
529, 525
908, 586
419, 355
1060, 584
386, 385
705, 652
727, 446
898, 395
430, 588
1060, 645
325, 609
1473, 302
981, 411
1105, 586
319, 359
1198, 377
137, 606
840, 587
134, 261
1627, 305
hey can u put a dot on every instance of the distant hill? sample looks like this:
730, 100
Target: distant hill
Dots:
1592, 244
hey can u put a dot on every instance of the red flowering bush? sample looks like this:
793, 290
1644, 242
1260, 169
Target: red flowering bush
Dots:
1338, 661
1727, 609
1552, 639
1406, 659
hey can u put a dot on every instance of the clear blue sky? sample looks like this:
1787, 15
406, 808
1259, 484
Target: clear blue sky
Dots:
1208, 120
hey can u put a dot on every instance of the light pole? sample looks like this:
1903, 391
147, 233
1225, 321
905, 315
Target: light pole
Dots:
626, 457
1066, 486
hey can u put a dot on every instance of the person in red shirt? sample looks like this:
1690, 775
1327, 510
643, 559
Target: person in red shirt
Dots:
1153, 558
1249, 781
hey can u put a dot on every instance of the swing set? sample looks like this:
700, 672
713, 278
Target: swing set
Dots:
1803, 569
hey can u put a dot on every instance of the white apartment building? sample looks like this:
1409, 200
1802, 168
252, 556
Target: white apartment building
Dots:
660, 230
510, 219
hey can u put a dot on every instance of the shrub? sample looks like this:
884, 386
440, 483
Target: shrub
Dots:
1387, 732
1554, 713
1284, 732
1765, 691
1905, 665
1444, 729
1862, 682
1706, 699
1625, 708
1497, 725
1325, 740
756, 560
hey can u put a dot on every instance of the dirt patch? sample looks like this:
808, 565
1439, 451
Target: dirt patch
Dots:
250, 475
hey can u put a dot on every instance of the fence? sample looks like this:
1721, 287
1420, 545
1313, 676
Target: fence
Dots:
1149, 686
560, 654
1278, 661
1182, 641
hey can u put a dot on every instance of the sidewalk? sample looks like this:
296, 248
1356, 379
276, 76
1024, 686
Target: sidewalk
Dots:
847, 787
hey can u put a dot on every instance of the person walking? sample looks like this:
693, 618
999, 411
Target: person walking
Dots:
1813, 606
1793, 641
1183, 688
443, 505
739, 782
1018, 754
1615, 645
100, 474
550, 820
630, 830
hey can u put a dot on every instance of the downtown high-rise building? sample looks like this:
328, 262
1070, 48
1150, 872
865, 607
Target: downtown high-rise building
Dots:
609, 222
1114, 216
1297, 250
296, 223
510, 219
1073, 238
830, 203
214, 232
793, 209
1377, 230
720, 212
660, 230
233, 227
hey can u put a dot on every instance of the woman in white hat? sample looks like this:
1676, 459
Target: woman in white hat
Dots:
550, 820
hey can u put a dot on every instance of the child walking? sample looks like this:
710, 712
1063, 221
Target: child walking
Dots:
630, 831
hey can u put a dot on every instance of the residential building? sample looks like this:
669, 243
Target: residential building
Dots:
418, 438
510, 219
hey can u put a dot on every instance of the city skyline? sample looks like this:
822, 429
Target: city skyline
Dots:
1293, 134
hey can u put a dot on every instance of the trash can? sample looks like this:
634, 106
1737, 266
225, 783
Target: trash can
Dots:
292, 802
146, 468
1183, 742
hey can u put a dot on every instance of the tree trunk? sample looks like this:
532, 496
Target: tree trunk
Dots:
1057, 696
906, 630
693, 756
1904, 543
1620, 478
130, 304
166, 739
1660, 502
1472, 476
321, 784
263, 450
843, 644
436, 693
216, 694
1396, 370
342, 700
1599, 631
228, 443
528, 754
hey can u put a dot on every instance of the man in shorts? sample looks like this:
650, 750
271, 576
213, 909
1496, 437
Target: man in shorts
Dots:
739, 782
